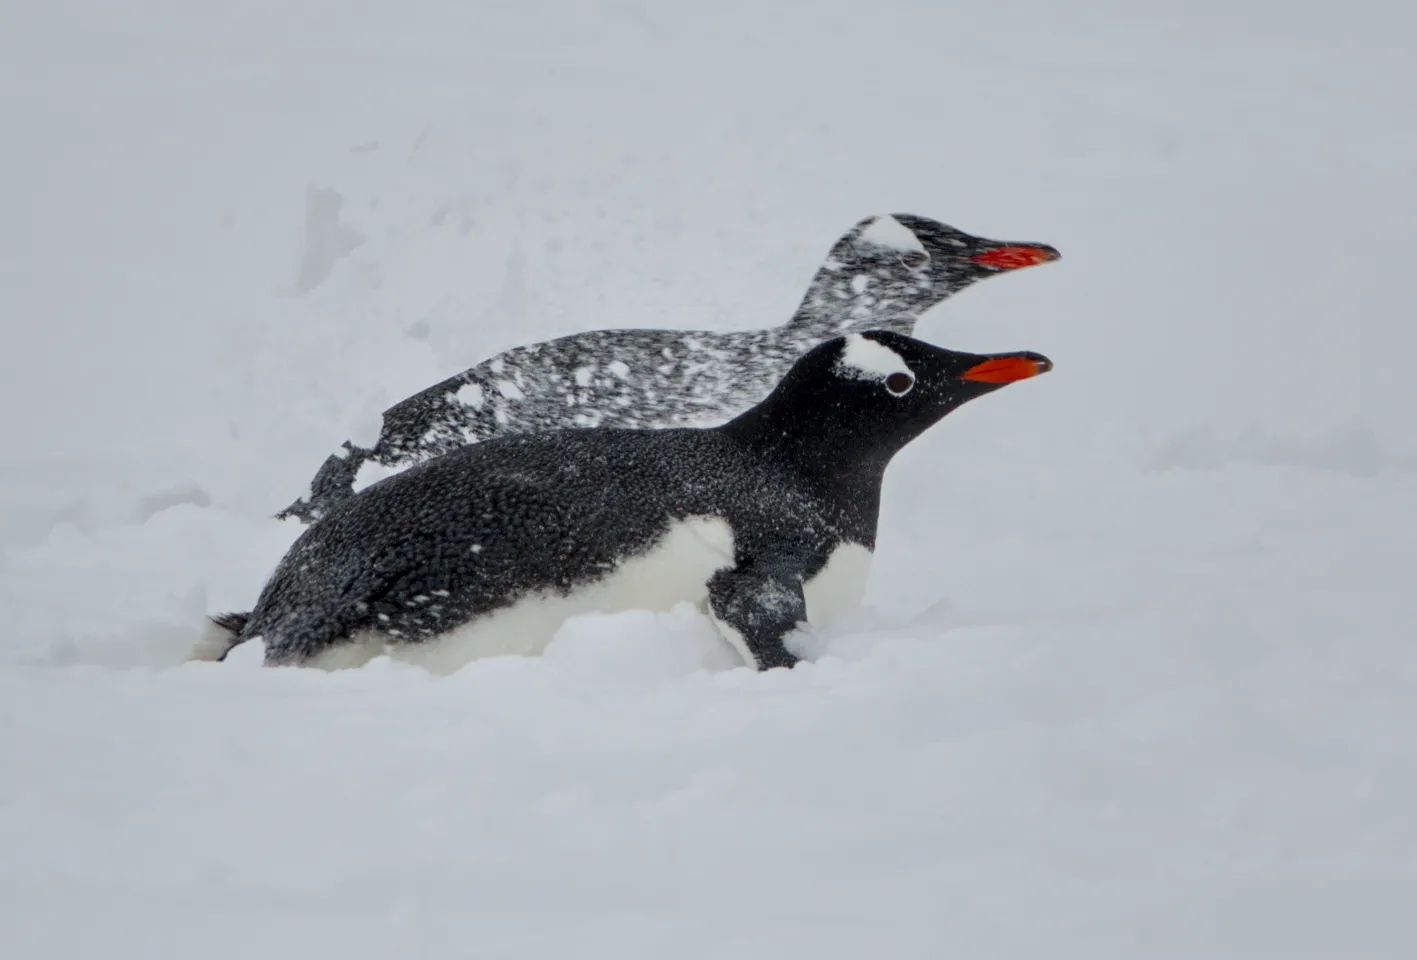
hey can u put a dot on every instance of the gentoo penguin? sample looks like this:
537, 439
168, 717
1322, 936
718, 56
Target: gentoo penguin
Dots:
767, 521
883, 274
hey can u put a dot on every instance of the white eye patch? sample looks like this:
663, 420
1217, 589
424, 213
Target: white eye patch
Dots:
865, 359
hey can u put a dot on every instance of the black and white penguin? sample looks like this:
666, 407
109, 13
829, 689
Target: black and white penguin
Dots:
768, 521
882, 274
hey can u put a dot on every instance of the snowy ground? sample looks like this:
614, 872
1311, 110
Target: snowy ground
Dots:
1136, 674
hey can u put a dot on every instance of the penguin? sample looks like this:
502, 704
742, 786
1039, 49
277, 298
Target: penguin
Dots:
882, 274
765, 522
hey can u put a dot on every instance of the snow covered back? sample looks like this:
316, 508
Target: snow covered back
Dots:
1134, 674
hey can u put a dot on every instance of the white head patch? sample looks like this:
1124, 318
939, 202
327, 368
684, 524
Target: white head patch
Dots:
865, 359
889, 232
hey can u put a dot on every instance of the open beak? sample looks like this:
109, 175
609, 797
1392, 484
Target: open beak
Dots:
1012, 256
1018, 366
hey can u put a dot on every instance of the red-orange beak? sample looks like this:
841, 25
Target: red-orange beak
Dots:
1008, 369
1014, 256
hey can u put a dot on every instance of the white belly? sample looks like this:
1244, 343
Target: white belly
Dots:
838, 586
676, 569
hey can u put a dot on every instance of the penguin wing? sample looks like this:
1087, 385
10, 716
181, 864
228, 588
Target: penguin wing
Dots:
555, 384
755, 607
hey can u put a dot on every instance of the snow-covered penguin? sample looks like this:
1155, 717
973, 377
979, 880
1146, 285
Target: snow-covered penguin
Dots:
883, 274
767, 521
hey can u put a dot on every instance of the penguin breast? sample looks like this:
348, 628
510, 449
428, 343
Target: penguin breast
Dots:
839, 585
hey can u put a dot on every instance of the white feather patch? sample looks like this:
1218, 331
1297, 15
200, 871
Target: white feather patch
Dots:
839, 585
471, 395
865, 359
889, 232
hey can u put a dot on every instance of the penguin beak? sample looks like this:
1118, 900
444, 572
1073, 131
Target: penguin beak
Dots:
1013, 256
1001, 370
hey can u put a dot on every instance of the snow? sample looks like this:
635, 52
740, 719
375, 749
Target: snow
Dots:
470, 394
510, 390
1134, 672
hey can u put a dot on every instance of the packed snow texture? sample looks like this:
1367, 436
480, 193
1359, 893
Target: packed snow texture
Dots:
1134, 674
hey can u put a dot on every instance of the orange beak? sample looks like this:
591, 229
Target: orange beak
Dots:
1008, 369
1015, 256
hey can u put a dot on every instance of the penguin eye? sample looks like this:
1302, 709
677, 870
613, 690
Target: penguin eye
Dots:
914, 259
900, 383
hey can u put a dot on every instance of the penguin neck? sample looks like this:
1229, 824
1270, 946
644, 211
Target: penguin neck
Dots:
842, 299
830, 455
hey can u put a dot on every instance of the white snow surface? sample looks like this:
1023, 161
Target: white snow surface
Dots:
1134, 672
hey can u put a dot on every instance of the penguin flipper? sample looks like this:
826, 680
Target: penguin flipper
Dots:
333, 483
755, 608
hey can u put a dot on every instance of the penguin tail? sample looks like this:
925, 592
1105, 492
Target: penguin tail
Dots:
222, 635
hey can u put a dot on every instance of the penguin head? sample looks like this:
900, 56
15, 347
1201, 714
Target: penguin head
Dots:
889, 269
959, 258
865, 396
